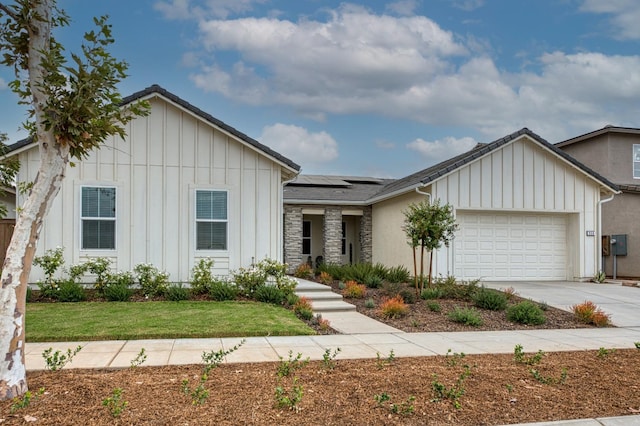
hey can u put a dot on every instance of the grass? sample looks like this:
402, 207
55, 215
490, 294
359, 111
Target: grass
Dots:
56, 322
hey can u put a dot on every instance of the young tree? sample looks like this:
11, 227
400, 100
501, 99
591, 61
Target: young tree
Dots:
72, 110
428, 225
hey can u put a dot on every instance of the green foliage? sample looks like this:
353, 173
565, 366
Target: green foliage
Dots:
55, 361
453, 392
139, 359
408, 296
177, 293
453, 358
202, 277
636, 344
369, 303
526, 312
432, 293
220, 290
50, 262
549, 380
333, 269
70, 291
603, 353
287, 367
100, 267
599, 277
520, 358
9, 168
249, 280
388, 360
24, 402
117, 292
434, 306
270, 294
466, 316
151, 280
493, 300
381, 398
404, 408
398, 274
289, 397
329, 358
115, 403
373, 281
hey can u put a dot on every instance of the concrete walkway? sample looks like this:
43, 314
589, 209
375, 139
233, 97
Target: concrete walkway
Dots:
364, 337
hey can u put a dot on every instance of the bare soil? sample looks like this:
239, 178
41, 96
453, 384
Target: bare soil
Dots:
456, 389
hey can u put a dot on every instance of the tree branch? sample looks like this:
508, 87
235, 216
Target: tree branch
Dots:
8, 12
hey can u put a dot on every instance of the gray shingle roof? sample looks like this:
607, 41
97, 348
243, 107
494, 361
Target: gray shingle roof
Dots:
197, 111
310, 189
606, 129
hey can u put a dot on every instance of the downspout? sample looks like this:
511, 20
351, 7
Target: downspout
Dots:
423, 193
599, 242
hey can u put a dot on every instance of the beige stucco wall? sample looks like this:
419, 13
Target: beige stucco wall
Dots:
156, 170
622, 216
520, 176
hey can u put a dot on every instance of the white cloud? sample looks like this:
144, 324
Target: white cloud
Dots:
203, 9
625, 15
3, 84
443, 149
300, 145
403, 7
468, 5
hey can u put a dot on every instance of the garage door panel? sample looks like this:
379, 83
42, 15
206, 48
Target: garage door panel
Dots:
511, 246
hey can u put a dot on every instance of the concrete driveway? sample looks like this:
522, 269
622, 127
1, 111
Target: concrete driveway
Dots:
621, 302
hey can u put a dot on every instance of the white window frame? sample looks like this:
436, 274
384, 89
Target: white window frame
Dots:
307, 238
635, 154
113, 219
196, 220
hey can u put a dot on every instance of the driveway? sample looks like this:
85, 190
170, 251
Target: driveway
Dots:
622, 303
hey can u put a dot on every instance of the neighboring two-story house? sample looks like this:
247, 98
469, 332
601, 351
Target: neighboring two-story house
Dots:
614, 152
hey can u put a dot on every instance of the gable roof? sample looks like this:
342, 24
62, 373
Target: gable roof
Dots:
343, 190
599, 132
155, 90
314, 190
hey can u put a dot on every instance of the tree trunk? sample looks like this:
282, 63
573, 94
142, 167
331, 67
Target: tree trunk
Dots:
415, 270
430, 266
421, 268
54, 156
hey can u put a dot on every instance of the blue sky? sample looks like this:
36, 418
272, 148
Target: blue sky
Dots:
371, 87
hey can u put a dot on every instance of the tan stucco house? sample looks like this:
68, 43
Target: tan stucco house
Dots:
526, 211
614, 152
182, 186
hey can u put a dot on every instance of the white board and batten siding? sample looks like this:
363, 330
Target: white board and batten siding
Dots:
523, 214
156, 171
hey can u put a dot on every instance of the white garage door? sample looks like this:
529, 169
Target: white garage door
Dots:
511, 246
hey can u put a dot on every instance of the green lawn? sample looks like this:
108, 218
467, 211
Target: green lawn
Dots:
50, 322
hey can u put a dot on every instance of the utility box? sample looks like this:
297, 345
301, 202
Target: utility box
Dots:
619, 245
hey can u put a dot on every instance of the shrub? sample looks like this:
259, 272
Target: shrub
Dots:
394, 307
432, 293
333, 269
526, 312
222, 290
100, 267
287, 284
270, 294
353, 290
152, 281
272, 267
373, 281
303, 271
50, 262
369, 303
398, 274
434, 306
589, 313
325, 278
248, 280
302, 309
202, 277
70, 291
176, 293
292, 299
117, 292
466, 316
493, 300
408, 296
124, 278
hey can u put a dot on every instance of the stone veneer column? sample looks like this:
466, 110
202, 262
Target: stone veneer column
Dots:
292, 237
332, 248
366, 236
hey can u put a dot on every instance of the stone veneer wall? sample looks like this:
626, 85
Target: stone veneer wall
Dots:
332, 248
292, 236
366, 235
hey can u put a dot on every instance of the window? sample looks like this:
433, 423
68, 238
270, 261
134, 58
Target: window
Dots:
306, 237
98, 217
211, 220
636, 161
344, 238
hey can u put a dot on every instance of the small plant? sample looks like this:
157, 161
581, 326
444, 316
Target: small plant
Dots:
520, 358
434, 306
329, 358
382, 362
289, 398
139, 359
70, 291
510, 293
220, 290
404, 408
287, 367
636, 344
589, 313
303, 271
325, 278
115, 403
302, 309
369, 303
118, 292
453, 358
57, 360
599, 277
398, 274
100, 267
25, 401
353, 290
50, 262
381, 398
454, 392
176, 293
603, 353
432, 293
270, 294
543, 305
526, 312
466, 316
341, 285
493, 300
373, 280
394, 307
324, 325
201, 276
152, 281
249, 280
409, 296
549, 380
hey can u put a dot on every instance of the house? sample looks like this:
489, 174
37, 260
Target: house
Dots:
182, 186
614, 152
526, 211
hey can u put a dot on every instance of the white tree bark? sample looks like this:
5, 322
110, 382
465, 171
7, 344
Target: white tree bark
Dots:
54, 156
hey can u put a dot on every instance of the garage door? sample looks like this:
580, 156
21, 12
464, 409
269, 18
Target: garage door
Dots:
511, 246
